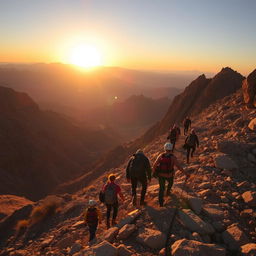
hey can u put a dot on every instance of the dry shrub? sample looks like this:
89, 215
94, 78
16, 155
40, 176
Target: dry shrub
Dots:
47, 208
21, 225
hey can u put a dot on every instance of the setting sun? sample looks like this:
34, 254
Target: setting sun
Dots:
85, 56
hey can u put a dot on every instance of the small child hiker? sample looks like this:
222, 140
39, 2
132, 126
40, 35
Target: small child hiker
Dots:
92, 218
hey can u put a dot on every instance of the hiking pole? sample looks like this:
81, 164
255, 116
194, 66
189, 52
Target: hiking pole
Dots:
167, 247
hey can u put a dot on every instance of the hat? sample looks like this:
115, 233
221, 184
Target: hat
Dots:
92, 202
168, 146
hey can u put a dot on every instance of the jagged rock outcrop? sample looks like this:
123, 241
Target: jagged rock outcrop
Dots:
196, 248
249, 90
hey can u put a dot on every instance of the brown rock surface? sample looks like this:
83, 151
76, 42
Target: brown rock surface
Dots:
249, 89
196, 248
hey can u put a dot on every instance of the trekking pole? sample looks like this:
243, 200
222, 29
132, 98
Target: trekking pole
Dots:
167, 247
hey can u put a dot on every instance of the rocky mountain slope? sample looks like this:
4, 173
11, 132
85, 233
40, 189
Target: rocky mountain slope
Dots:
41, 149
199, 94
215, 204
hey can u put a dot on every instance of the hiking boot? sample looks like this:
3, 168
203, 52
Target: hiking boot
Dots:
134, 200
113, 222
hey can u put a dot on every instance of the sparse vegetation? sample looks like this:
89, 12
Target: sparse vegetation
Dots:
47, 208
21, 225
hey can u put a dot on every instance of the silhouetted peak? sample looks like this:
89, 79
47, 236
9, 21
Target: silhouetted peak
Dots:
202, 76
11, 100
252, 75
226, 69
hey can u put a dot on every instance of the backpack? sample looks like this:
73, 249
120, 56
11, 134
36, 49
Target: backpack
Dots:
172, 134
137, 166
191, 141
165, 164
92, 216
110, 195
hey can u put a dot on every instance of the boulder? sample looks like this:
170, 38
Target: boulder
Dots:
234, 237
76, 247
123, 251
249, 90
110, 234
67, 241
194, 223
130, 218
126, 231
225, 162
252, 124
151, 238
213, 211
195, 248
195, 204
248, 249
105, 249
249, 197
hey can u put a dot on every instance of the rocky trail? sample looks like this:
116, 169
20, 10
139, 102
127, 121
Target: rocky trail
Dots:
215, 209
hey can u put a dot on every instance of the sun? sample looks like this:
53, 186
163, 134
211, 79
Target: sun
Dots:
85, 56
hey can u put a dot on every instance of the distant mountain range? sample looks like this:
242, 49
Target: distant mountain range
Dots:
41, 149
197, 96
72, 91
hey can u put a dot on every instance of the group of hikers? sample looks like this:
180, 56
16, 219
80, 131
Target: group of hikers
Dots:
139, 171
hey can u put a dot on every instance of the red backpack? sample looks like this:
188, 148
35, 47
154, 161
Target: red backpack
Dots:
165, 164
92, 216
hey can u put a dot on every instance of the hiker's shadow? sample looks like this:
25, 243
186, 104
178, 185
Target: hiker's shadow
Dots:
162, 217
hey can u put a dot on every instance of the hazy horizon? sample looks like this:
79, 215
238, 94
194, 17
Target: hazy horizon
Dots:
146, 35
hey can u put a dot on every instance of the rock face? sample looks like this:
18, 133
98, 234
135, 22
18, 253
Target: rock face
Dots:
105, 249
11, 203
126, 231
195, 248
249, 90
234, 237
194, 223
225, 162
151, 238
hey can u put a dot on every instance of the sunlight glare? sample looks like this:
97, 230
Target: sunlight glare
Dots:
85, 56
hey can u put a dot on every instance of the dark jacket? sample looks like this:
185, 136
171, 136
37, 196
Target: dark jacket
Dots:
187, 123
192, 140
141, 169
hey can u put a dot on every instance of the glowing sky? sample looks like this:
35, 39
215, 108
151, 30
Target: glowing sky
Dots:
147, 34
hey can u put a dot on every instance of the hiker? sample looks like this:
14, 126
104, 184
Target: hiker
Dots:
138, 170
163, 169
174, 135
191, 143
187, 125
111, 192
92, 217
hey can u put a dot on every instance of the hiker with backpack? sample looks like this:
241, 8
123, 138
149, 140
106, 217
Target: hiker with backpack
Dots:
163, 169
191, 143
92, 218
138, 170
174, 135
111, 192
187, 125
